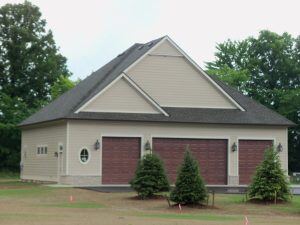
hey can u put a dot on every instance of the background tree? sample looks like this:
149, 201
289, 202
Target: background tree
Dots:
30, 64
266, 68
269, 180
61, 86
150, 177
189, 186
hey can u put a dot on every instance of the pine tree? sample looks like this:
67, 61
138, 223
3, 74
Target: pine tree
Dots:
150, 177
189, 186
269, 180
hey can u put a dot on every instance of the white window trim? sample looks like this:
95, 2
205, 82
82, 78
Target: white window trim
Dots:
39, 146
79, 153
197, 107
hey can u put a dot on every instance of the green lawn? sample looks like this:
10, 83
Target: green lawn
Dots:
10, 188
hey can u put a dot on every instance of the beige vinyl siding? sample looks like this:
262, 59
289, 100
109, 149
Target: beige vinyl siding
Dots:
85, 134
166, 48
120, 97
174, 82
43, 167
79, 139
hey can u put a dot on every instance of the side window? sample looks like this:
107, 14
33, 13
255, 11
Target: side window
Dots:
42, 150
84, 155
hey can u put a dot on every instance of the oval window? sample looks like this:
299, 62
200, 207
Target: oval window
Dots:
84, 155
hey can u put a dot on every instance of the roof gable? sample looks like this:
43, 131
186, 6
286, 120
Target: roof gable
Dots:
121, 96
168, 76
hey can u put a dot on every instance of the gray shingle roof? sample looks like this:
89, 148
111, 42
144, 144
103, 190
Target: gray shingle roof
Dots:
65, 106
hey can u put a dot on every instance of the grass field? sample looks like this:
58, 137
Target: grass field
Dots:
30, 204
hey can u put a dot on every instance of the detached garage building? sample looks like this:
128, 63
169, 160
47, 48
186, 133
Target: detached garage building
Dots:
151, 95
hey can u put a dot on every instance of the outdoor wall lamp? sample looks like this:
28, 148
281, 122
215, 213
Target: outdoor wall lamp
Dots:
234, 147
279, 147
147, 146
97, 145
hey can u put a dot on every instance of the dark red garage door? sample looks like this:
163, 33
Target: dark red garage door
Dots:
211, 154
251, 153
119, 159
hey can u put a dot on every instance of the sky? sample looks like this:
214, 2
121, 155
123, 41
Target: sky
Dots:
92, 32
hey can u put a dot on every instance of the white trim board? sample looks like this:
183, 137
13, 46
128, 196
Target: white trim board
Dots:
196, 107
134, 85
67, 148
121, 111
166, 55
